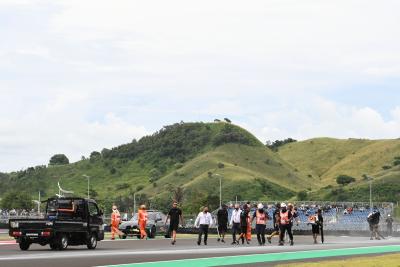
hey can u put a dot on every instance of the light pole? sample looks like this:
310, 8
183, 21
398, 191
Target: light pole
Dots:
220, 189
134, 204
88, 184
370, 192
38, 203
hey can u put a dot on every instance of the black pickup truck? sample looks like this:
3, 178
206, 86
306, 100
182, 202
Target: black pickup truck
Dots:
68, 221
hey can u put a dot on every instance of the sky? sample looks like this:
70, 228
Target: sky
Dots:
77, 76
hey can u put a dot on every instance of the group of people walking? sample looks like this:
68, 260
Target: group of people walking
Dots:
241, 221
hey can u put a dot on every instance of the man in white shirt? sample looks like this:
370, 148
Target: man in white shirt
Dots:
235, 222
203, 221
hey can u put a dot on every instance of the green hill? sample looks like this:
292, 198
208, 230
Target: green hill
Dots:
186, 160
327, 158
179, 156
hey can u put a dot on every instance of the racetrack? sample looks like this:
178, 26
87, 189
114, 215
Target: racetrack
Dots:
142, 251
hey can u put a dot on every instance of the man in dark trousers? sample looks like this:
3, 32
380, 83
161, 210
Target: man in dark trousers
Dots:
174, 216
285, 224
244, 221
203, 221
275, 221
235, 223
261, 217
222, 217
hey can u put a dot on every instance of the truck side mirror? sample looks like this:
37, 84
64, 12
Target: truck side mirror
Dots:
101, 213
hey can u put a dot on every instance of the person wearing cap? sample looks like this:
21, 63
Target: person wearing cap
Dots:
261, 217
389, 225
222, 217
235, 223
285, 224
275, 221
142, 221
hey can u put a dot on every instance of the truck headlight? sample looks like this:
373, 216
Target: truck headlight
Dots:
14, 224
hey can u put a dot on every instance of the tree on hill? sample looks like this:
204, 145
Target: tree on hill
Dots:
58, 159
227, 120
277, 143
345, 180
95, 155
231, 134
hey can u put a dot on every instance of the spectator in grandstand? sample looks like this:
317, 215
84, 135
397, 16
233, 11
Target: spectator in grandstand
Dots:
235, 223
295, 214
244, 221
373, 221
389, 225
222, 218
285, 224
275, 221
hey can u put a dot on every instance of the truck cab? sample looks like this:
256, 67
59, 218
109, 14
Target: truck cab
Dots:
67, 221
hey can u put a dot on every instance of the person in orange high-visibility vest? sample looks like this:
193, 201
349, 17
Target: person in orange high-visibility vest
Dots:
285, 224
261, 217
142, 221
115, 221
248, 232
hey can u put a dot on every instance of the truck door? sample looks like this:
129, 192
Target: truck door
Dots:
95, 220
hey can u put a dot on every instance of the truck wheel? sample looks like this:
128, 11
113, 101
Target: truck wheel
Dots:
53, 246
153, 231
122, 236
92, 242
24, 245
62, 242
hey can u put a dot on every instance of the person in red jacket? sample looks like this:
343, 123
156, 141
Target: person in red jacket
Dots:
142, 221
115, 221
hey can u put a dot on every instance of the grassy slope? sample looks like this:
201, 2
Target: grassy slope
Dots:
242, 165
327, 158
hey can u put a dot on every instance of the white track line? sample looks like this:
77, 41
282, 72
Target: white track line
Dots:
167, 251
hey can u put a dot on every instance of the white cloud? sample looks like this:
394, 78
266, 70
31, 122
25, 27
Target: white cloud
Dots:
77, 76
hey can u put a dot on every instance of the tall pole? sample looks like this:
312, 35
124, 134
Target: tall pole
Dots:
370, 194
134, 204
39, 204
220, 192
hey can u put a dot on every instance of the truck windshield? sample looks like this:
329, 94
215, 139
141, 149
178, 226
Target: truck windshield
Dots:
65, 208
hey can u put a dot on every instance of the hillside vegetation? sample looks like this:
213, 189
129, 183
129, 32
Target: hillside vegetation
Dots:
327, 158
178, 157
185, 161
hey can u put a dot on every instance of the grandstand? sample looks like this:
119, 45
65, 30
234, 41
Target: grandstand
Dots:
338, 216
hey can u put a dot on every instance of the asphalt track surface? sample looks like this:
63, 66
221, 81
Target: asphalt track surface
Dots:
145, 251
